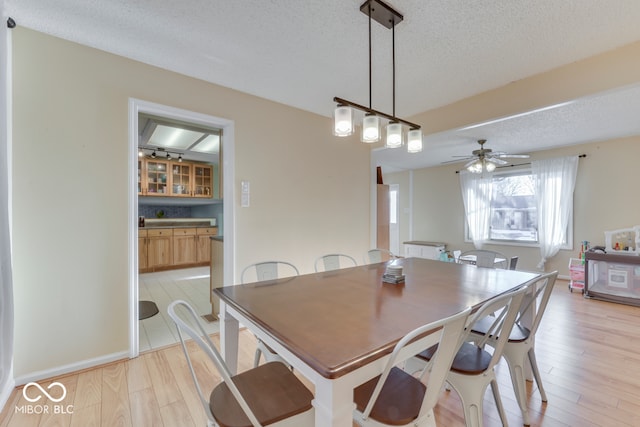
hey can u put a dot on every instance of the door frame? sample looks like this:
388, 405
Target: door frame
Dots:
137, 106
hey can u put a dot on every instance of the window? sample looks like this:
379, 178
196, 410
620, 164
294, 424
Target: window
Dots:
513, 211
513, 208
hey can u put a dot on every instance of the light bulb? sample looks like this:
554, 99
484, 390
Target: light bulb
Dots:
394, 135
370, 128
414, 141
490, 166
342, 121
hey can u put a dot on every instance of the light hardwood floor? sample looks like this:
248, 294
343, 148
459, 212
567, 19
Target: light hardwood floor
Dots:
588, 352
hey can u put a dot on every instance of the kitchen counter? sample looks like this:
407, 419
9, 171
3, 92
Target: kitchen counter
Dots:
178, 223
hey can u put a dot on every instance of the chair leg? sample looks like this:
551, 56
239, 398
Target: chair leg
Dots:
471, 392
536, 373
256, 360
498, 399
516, 361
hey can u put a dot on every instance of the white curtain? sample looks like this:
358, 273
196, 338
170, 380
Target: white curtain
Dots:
476, 195
6, 281
554, 180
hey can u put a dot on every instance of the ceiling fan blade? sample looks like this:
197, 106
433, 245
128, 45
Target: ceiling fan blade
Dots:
497, 161
457, 160
512, 156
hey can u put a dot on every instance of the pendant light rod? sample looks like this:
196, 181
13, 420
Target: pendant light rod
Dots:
341, 101
393, 64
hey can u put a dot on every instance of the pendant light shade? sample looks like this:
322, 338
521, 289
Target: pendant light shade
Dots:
371, 128
343, 121
374, 120
394, 135
489, 166
414, 141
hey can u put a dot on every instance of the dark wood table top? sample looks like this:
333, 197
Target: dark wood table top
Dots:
339, 320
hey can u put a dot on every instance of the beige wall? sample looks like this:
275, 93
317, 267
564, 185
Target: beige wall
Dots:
70, 183
605, 194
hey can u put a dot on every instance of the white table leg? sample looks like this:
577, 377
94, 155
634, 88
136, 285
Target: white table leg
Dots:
229, 331
333, 403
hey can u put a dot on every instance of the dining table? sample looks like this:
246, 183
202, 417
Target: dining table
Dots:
338, 328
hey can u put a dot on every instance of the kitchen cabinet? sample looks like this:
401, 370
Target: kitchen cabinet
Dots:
154, 177
184, 246
181, 179
216, 276
142, 250
612, 277
159, 248
202, 181
169, 178
176, 247
203, 250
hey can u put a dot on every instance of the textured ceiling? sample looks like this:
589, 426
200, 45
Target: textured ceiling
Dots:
302, 53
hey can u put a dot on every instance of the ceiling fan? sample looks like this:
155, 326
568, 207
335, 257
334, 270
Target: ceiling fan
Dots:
485, 159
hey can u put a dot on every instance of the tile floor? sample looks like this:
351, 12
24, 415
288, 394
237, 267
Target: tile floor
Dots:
188, 284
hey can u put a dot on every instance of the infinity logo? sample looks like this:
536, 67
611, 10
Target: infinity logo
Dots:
43, 392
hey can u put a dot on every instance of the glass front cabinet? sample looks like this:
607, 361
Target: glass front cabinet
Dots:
613, 277
175, 179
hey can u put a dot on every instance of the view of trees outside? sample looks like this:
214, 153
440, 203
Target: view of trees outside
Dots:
513, 209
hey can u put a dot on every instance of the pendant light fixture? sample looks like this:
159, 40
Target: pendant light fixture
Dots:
343, 123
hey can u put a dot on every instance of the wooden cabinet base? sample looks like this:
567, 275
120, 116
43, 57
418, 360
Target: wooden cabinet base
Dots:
173, 267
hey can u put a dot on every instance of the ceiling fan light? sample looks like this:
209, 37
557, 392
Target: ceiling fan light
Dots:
342, 121
394, 135
490, 166
475, 167
370, 128
414, 141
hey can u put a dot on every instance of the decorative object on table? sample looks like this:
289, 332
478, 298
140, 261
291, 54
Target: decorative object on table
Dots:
393, 274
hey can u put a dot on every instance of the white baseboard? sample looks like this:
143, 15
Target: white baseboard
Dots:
72, 367
6, 391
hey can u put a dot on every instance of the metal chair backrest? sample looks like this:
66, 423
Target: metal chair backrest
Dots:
447, 334
334, 262
541, 291
486, 258
187, 322
268, 270
377, 255
503, 311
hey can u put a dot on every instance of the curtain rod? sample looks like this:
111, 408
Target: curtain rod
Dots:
580, 156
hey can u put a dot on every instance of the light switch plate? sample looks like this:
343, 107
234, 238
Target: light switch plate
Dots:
244, 194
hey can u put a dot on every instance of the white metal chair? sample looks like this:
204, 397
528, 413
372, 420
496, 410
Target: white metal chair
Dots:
267, 395
485, 258
520, 345
472, 368
397, 398
267, 270
377, 255
334, 262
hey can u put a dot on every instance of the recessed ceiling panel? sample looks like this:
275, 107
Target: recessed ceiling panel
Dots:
211, 145
174, 138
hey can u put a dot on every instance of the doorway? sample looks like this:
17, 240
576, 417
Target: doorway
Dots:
137, 108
